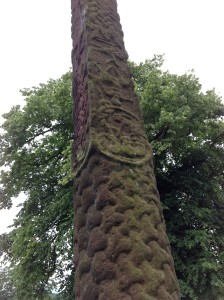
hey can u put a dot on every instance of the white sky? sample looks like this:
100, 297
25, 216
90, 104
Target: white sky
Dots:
35, 42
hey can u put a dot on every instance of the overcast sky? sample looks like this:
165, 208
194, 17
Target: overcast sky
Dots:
35, 42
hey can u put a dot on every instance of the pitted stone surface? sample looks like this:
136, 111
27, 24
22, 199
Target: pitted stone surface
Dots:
121, 247
126, 251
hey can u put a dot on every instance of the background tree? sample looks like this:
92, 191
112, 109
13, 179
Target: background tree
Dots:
185, 127
35, 154
6, 284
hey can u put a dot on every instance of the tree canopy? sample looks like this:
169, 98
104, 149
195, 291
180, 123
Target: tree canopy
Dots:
186, 129
35, 154
6, 284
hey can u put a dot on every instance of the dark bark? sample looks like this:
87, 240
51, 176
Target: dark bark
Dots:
121, 247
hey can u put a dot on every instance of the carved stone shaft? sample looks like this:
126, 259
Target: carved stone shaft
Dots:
121, 246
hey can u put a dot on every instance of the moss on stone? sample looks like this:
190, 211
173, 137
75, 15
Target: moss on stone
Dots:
131, 275
97, 241
140, 252
102, 268
104, 198
137, 292
88, 198
80, 219
112, 219
84, 266
160, 256
123, 246
153, 278
170, 279
94, 218
83, 238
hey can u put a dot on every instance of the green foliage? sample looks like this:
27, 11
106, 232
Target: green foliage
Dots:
6, 285
185, 127
34, 157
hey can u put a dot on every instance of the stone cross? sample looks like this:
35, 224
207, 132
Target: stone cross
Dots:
121, 246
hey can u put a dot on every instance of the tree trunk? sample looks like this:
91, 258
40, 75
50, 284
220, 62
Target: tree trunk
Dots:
121, 246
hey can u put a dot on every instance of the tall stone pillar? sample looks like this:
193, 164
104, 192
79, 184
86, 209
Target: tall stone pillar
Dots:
121, 246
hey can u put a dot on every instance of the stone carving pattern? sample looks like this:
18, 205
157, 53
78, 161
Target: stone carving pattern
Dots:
113, 122
121, 247
80, 83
